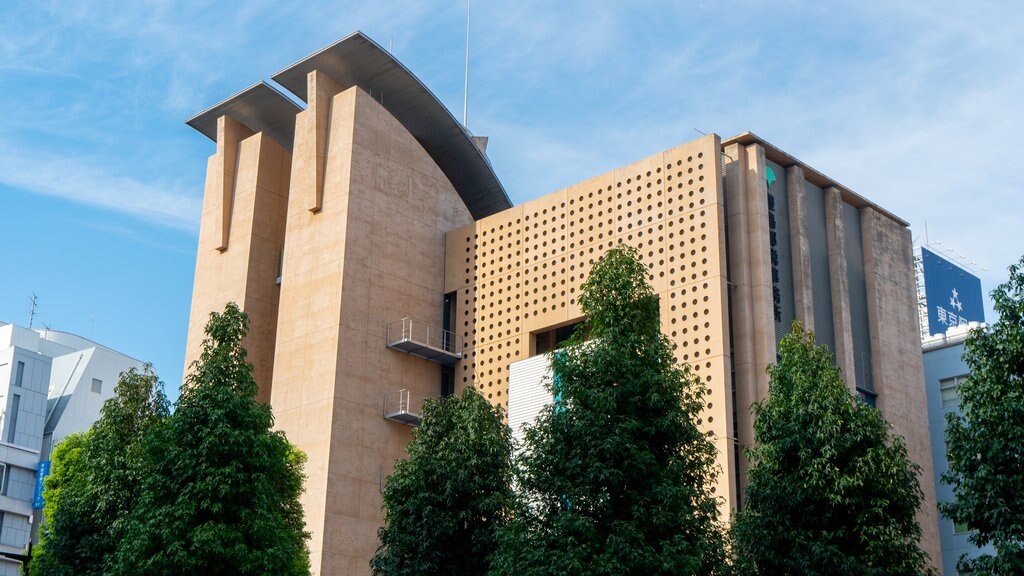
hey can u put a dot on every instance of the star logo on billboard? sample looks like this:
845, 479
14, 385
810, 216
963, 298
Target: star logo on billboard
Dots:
954, 302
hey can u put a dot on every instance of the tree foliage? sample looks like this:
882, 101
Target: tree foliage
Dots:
831, 490
95, 479
986, 442
67, 535
443, 504
615, 475
222, 491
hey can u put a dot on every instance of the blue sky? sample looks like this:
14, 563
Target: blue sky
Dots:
915, 105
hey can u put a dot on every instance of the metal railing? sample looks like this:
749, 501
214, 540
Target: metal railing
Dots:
403, 406
406, 330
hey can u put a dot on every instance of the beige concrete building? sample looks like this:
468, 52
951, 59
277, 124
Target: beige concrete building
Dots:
381, 261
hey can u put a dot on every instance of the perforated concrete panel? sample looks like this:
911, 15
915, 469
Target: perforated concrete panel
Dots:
520, 271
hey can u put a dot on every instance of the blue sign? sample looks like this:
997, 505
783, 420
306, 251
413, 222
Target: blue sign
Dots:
42, 471
953, 295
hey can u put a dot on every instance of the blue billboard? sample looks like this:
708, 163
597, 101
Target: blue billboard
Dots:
953, 295
42, 471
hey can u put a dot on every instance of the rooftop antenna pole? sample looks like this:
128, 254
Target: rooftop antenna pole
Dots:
465, 96
32, 310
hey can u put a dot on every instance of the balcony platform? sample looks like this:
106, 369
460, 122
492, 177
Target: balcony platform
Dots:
424, 341
403, 407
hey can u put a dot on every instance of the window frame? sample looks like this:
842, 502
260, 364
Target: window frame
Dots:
944, 386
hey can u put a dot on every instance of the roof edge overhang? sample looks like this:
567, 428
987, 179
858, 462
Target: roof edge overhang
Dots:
777, 155
261, 107
356, 60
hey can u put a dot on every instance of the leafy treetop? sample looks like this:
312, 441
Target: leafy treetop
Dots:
985, 454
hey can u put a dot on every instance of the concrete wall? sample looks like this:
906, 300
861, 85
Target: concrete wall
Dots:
25, 429
896, 351
241, 238
367, 250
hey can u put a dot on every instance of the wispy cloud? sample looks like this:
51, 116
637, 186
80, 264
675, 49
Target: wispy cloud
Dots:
81, 180
136, 235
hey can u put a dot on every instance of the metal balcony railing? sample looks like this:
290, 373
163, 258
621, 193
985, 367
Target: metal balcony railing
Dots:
425, 341
403, 407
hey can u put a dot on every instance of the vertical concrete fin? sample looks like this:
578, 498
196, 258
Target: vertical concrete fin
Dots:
727, 445
762, 307
230, 133
898, 372
803, 292
741, 316
836, 235
321, 89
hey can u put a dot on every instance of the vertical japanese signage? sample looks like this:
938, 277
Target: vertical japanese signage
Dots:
953, 295
42, 471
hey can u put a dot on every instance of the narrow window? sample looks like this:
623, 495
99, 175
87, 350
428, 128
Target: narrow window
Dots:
552, 338
949, 391
5, 474
13, 420
20, 376
868, 397
97, 385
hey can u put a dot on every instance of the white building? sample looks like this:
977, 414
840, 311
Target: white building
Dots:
52, 384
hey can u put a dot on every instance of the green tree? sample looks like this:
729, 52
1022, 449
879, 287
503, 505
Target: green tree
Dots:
222, 492
443, 504
66, 536
616, 477
985, 454
95, 479
831, 490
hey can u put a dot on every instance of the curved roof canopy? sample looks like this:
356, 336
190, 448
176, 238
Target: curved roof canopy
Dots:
260, 107
358, 61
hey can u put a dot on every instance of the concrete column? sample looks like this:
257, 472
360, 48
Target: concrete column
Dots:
896, 352
230, 133
836, 236
742, 321
760, 264
753, 320
321, 89
803, 297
